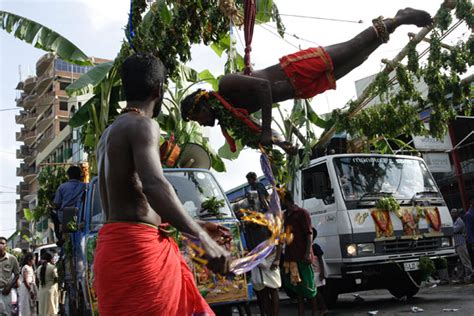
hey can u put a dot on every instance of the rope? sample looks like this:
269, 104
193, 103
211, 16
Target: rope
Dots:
249, 23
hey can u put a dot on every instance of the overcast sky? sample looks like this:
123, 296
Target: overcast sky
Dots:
96, 26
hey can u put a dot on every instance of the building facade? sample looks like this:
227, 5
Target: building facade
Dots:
45, 136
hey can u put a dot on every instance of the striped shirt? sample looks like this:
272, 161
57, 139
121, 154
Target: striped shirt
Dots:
459, 231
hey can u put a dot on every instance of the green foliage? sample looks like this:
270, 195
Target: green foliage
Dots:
427, 267
398, 112
388, 204
49, 179
212, 205
441, 263
42, 37
90, 79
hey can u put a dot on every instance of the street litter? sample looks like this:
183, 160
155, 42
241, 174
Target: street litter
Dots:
373, 312
434, 285
415, 309
451, 309
358, 298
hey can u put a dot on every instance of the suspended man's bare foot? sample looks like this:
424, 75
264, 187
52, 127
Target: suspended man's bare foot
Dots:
412, 16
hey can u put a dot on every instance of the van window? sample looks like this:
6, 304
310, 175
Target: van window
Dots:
316, 184
96, 219
195, 187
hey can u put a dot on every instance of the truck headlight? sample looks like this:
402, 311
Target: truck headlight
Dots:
365, 249
445, 242
351, 250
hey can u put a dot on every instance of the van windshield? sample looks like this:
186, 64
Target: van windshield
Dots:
366, 177
195, 187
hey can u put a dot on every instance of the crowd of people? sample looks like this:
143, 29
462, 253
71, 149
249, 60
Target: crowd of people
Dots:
36, 284
298, 268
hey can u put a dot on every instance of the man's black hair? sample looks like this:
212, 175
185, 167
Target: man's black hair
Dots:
251, 175
74, 172
188, 103
4, 238
29, 256
141, 75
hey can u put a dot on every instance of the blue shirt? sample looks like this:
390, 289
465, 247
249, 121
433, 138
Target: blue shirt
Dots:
469, 219
68, 193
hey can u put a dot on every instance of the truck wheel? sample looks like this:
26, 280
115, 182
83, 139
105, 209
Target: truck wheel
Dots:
402, 289
330, 294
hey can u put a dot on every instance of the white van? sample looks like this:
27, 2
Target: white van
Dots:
366, 248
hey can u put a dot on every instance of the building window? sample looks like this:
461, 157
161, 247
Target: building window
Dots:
62, 125
63, 106
63, 85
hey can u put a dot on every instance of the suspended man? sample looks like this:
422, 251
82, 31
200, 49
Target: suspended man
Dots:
297, 76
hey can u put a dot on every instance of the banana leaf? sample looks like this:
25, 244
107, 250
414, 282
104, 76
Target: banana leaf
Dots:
314, 117
89, 80
264, 11
81, 117
43, 38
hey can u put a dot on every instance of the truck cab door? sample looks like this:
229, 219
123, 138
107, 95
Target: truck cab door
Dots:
317, 196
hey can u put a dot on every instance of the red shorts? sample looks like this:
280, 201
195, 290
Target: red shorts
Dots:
310, 71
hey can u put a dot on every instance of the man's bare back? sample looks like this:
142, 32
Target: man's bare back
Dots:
120, 186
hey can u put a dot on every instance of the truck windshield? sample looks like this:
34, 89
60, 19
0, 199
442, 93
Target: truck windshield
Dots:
195, 187
365, 177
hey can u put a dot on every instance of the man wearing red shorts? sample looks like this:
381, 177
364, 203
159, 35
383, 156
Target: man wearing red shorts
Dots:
300, 75
138, 269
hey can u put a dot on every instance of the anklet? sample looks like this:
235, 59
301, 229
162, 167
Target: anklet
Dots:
381, 29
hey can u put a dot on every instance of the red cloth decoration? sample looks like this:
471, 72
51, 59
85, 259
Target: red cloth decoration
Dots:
249, 23
148, 278
238, 113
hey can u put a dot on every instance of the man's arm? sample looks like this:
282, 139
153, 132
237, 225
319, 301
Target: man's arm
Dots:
255, 90
144, 140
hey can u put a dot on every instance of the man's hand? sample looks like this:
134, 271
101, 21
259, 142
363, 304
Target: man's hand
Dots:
219, 233
266, 138
218, 258
275, 265
307, 258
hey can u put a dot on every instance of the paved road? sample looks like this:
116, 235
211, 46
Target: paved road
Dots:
431, 300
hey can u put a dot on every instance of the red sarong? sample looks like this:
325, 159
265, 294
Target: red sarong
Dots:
137, 271
310, 71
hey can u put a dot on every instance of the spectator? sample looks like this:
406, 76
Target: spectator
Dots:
266, 281
460, 247
27, 292
319, 273
67, 195
298, 276
8, 267
48, 296
469, 221
256, 185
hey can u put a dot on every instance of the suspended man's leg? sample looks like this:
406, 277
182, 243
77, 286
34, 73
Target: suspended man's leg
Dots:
348, 55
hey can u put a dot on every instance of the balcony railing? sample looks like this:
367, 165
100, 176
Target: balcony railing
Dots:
43, 63
24, 170
30, 101
29, 84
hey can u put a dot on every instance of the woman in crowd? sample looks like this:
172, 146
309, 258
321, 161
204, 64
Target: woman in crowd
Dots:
48, 289
27, 292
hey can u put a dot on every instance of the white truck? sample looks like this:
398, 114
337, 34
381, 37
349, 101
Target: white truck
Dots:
365, 247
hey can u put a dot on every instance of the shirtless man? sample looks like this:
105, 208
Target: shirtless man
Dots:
300, 75
138, 269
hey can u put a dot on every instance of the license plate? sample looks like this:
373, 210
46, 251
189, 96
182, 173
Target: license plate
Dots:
411, 266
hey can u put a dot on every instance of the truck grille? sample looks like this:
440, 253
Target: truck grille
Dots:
408, 245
